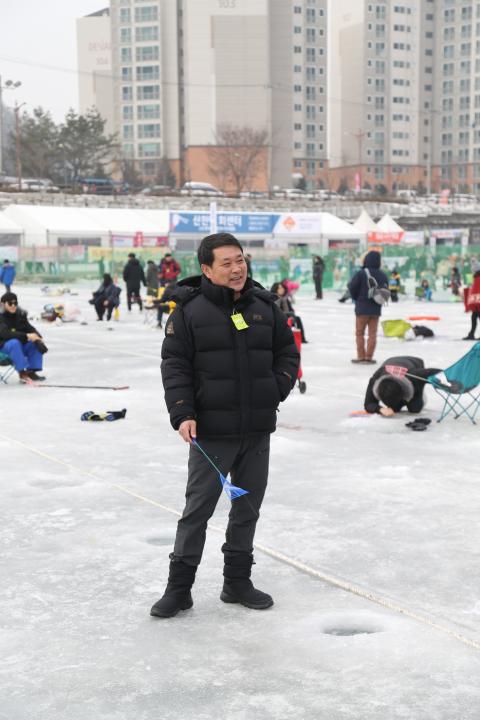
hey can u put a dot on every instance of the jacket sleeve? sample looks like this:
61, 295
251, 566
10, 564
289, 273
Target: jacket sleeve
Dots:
355, 285
371, 403
286, 358
177, 369
125, 273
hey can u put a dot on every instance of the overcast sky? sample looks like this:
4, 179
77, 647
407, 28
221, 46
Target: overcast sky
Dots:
38, 47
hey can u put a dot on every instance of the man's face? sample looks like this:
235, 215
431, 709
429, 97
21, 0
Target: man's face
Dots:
11, 306
228, 268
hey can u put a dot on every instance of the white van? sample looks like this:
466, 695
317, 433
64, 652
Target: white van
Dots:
200, 188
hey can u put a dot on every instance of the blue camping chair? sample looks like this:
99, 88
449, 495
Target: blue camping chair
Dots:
462, 395
6, 367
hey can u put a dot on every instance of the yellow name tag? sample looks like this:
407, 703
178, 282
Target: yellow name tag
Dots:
239, 321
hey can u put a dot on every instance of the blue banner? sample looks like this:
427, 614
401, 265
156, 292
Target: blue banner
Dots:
237, 223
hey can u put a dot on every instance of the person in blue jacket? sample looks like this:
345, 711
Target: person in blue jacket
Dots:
367, 310
7, 274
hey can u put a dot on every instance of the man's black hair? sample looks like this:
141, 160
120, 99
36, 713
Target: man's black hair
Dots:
131, 255
390, 393
211, 242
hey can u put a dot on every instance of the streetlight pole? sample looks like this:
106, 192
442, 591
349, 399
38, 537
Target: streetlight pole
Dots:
9, 85
18, 159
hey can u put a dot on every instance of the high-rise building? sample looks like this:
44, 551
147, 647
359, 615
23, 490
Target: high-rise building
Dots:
382, 71
184, 70
349, 93
94, 57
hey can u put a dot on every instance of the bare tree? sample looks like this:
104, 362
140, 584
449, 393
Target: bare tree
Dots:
239, 156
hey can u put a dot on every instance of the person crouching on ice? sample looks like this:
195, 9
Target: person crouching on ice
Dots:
19, 340
387, 394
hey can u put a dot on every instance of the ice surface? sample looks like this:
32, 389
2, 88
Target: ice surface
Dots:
88, 518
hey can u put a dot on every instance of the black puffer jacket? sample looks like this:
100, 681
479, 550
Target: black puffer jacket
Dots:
231, 381
133, 273
15, 326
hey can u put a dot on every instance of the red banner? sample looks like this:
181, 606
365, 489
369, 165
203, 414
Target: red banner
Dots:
385, 238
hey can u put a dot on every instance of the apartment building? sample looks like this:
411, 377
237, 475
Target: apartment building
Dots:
183, 69
382, 66
94, 62
456, 120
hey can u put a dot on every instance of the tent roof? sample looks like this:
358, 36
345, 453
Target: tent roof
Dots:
387, 224
364, 223
8, 226
87, 220
318, 224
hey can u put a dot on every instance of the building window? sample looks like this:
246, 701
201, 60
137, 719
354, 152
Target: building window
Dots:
146, 53
126, 74
149, 131
127, 93
125, 17
127, 132
148, 92
127, 112
128, 149
125, 55
125, 35
148, 112
148, 72
146, 34
146, 14
149, 149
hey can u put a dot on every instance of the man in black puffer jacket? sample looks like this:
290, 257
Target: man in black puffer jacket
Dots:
228, 360
133, 275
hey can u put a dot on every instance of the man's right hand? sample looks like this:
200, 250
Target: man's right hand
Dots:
188, 430
33, 337
386, 412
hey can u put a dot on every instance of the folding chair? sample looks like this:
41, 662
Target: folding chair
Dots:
6, 367
462, 395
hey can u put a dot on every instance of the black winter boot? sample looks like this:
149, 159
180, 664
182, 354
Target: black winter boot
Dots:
237, 586
177, 595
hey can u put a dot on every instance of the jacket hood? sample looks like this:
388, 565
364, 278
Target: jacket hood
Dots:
372, 260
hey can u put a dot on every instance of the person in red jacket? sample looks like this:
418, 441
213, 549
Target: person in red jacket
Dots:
169, 270
473, 302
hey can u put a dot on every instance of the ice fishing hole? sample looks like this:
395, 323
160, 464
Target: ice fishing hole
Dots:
348, 631
166, 540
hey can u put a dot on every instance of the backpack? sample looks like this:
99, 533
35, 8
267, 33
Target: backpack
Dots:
380, 295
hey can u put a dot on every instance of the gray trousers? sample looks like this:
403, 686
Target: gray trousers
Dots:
246, 459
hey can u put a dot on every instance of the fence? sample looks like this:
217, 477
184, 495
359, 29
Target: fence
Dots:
70, 263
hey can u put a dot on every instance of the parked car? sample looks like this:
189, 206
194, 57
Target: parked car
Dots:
159, 190
258, 194
200, 188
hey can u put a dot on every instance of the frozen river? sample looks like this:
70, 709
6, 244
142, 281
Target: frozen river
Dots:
368, 542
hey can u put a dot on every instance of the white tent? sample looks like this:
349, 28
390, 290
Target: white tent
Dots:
52, 225
364, 223
319, 225
10, 231
388, 225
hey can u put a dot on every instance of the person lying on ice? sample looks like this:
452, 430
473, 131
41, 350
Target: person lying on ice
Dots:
228, 360
387, 394
19, 340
